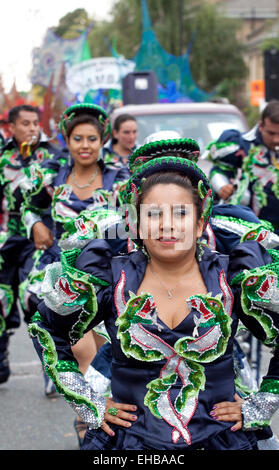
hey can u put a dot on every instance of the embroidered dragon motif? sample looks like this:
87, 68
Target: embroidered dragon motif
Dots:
260, 289
183, 369
88, 225
65, 290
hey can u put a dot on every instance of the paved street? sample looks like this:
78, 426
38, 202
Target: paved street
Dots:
29, 420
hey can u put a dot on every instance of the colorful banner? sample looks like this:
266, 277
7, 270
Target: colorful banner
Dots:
101, 73
55, 51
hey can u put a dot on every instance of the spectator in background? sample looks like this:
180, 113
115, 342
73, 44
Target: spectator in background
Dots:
123, 142
246, 166
27, 145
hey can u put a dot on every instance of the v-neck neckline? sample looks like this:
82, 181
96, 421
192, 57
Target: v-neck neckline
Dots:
190, 314
186, 299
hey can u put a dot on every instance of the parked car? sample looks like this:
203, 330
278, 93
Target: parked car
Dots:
203, 122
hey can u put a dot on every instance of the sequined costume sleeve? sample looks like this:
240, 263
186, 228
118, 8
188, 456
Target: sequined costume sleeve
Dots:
37, 190
74, 302
226, 155
256, 292
230, 225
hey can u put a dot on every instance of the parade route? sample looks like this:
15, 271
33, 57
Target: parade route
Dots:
30, 420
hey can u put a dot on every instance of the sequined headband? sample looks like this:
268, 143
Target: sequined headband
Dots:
186, 148
85, 108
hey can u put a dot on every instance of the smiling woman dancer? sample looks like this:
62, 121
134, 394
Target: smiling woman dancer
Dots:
68, 186
171, 308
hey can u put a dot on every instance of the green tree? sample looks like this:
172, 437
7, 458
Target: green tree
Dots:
216, 55
72, 24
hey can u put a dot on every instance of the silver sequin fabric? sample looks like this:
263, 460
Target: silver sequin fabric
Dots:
54, 297
77, 384
258, 409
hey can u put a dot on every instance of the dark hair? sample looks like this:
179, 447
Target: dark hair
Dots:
122, 118
271, 111
170, 177
119, 120
14, 112
85, 119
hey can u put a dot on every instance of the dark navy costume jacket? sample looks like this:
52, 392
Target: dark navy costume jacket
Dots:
130, 377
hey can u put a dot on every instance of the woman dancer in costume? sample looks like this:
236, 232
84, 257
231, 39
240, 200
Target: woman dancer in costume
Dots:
171, 308
81, 183
227, 226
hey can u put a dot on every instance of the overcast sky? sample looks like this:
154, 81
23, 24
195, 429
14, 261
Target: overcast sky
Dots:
23, 26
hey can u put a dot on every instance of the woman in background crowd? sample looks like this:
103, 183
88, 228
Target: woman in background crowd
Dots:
69, 187
123, 142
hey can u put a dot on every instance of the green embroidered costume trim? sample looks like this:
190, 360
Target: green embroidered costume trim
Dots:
274, 267
132, 315
2, 325
37, 179
245, 223
223, 169
158, 149
7, 299
262, 232
68, 259
215, 145
36, 318
242, 186
213, 316
8, 160
270, 386
242, 389
67, 366
274, 255
53, 367
155, 389
182, 366
195, 382
258, 287
261, 195
89, 224
254, 158
82, 286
